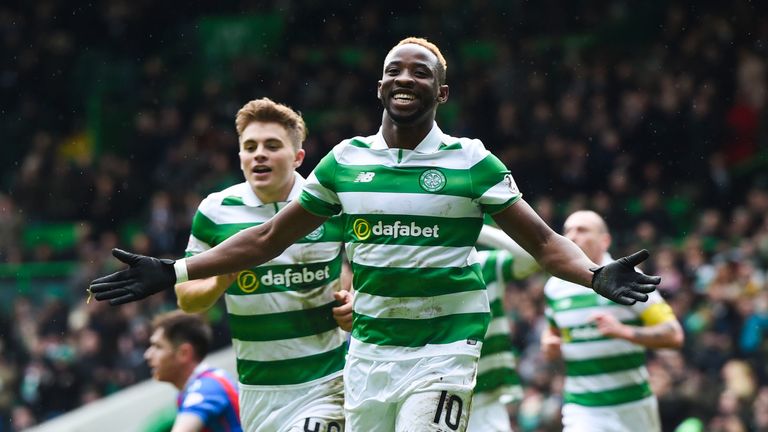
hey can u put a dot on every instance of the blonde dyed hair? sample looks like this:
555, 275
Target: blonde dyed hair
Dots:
442, 65
268, 111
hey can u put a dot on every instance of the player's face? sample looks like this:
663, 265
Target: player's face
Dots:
268, 160
161, 357
585, 230
409, 88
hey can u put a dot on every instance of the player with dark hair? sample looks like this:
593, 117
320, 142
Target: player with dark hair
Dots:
207, 396
412, 199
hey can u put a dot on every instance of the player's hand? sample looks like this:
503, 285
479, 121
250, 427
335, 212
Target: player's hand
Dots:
620, 282
343, 312
610, 326
145, 276
550, 345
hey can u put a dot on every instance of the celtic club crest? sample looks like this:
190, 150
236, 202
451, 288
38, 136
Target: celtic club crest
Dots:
316, 234
432, 180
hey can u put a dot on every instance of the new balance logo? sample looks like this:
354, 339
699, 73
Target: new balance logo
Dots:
364, 177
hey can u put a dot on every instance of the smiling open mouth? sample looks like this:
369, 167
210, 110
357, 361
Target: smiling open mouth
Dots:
403, 97
262, 170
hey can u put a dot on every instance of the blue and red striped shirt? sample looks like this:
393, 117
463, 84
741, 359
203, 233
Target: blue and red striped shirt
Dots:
211, 394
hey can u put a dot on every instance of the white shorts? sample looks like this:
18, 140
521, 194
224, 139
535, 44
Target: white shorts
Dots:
637, 416
297, 408
419, 395
488, 415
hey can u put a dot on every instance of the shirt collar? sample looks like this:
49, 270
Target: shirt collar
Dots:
250, 199
429, 144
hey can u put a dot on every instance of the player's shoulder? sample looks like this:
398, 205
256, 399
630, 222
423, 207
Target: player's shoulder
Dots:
468, 147
230, 196
357, 142
213, 380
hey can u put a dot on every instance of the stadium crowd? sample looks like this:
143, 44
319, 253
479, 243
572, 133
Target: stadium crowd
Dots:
652, 115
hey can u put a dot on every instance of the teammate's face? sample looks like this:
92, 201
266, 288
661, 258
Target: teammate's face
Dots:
161, 356
268, 160
409, 88
586, 230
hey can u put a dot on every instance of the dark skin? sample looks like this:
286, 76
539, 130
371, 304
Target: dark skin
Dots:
410, 92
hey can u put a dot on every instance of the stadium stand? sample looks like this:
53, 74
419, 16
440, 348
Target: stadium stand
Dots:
116, 120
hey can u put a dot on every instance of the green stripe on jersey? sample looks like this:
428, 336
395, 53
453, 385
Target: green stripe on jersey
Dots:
212, 233
291, 371
486, 174
412, 282
610, 397
283, 325
496, 378
317, 206
603, 365
401, 179
496, 344
497, 308
411, 230
420, 332
232, 201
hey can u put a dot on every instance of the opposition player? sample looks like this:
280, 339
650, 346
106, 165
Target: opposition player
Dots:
498, 383
412, 199
207, 399
290, 351
603, 344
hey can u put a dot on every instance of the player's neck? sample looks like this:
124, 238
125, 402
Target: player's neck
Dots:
267, 196
184, 376
405, 136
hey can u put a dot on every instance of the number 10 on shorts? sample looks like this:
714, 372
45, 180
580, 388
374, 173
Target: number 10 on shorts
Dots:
449, 409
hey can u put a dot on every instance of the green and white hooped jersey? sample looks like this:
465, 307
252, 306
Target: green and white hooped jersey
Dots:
283, 331
411, 219
496, 372
600, 371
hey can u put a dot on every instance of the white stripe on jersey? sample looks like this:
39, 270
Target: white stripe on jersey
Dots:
288, 348
420, 307
407, 256
411, 204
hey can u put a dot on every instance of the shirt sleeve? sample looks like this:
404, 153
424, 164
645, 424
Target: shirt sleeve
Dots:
654, 311
201, 237
319, 194
493, 185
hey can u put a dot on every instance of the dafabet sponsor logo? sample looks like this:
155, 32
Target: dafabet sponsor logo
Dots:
362, 229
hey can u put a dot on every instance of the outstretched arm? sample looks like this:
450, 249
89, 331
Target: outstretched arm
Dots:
617, 281
248, 248
255, 246
556, 254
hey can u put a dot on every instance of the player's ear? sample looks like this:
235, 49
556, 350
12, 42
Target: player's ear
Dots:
299, 158
442, 94
378, 90
185, 352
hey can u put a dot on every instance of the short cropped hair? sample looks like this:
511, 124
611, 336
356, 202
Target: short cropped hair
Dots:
268, 111
442, 65
179, 327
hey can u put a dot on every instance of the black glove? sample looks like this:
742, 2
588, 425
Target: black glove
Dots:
618, 281
146, 276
